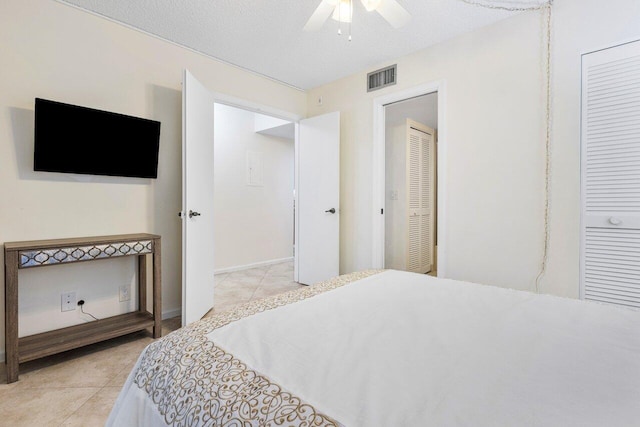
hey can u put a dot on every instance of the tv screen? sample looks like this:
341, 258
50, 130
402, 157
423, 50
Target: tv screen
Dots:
74, 139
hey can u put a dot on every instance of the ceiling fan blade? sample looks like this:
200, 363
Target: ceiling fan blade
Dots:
395, 14
370, 4
321, 14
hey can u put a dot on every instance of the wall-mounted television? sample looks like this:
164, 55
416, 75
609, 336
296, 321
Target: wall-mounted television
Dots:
74, 139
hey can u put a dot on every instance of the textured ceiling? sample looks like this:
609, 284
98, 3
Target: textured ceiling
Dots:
266, 36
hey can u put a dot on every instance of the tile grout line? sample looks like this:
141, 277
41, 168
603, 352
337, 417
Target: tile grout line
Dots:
80, 407
259, 283
265, 275
226, 276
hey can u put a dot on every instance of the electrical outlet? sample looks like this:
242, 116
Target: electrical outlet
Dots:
68, 301
125, 294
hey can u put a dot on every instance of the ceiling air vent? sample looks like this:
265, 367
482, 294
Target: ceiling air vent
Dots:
382, 78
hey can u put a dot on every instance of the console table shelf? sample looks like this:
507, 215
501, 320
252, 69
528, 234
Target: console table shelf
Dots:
42, 253
52, 342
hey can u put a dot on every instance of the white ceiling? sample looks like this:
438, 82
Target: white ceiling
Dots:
266, 36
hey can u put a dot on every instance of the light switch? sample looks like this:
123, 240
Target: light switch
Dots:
254, 168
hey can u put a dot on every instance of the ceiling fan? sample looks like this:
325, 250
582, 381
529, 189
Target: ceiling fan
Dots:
342, 11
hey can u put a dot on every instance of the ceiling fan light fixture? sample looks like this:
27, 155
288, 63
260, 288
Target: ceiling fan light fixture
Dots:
343, 11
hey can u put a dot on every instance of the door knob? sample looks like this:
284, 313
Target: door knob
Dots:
193, 213
332, 210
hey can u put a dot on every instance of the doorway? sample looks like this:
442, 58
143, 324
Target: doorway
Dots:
411, 184
253, 194
316, 178
435, 94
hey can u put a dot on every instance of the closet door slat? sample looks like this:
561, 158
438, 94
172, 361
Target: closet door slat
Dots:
610, 168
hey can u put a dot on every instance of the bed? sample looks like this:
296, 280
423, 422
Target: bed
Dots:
390, 348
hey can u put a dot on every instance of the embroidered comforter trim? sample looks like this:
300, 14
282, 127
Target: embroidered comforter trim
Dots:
193, 382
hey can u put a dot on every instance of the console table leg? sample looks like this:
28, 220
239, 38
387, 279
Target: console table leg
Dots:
142, 282
157, 294
11, 314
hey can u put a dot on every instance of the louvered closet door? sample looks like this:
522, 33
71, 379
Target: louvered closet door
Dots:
414, 258
420, 199
610, 259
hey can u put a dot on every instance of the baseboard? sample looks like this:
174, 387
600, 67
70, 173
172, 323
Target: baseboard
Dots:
254, 265
170, 314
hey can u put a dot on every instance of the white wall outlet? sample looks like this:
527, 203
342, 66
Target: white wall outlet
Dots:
125, 293
68, 301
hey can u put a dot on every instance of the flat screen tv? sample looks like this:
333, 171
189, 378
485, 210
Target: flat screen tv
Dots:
74, 139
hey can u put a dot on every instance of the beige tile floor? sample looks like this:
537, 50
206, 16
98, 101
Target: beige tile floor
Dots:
79, 387
249, 285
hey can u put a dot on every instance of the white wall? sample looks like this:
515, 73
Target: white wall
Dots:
253, 224
53, 51
494, 120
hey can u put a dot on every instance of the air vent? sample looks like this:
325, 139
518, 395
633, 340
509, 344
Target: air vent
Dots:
382, 78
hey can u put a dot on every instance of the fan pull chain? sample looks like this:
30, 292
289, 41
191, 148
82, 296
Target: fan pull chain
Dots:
339, 19
350, 20
546, 6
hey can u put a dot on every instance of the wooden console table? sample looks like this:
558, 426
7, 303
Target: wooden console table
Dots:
41, 253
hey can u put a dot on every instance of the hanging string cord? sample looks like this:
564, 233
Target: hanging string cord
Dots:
541, 6
546, 7
547, 175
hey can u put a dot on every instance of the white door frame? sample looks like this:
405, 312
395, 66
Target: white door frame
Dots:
379, 104
244, 104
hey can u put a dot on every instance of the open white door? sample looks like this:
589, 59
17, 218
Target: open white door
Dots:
318, 204
197, 199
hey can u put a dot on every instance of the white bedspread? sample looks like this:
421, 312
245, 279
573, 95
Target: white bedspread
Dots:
401, 349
